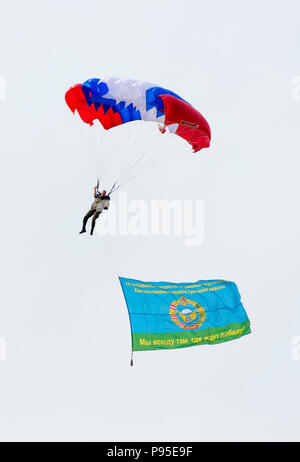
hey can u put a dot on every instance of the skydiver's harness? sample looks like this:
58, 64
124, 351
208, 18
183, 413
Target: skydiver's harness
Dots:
99, 199
101, 203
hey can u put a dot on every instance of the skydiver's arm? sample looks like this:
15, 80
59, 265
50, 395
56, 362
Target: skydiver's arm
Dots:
95, 192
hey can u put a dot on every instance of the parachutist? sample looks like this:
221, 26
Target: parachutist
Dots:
100, 203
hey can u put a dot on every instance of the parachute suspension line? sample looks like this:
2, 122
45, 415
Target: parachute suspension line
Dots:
88, 145
150, 165
135, 150
115, 188
126, 153
134, 147
107, 138
180, 150
103, 149
143, 159
135, 159
127, 146
111, 145
114, 149
137, 145
98, 150
120, 146
94, 151
148, 141
110, 136
100, 133
112, 188
150, 149
103, 143
135, 153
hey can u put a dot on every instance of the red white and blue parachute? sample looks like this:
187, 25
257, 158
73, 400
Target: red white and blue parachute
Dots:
114, 102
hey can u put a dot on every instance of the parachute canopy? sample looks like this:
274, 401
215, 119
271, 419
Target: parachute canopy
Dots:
115, 101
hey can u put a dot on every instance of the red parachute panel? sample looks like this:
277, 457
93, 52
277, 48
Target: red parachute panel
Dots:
76, 101
192, 126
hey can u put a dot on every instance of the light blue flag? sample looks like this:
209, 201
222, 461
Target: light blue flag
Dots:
176, 315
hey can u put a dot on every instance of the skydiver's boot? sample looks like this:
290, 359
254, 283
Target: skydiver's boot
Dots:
96, 215
85, 220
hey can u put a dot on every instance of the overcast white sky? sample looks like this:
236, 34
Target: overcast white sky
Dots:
62, 315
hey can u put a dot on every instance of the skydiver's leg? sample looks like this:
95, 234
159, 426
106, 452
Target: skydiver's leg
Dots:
96, 215
85, 219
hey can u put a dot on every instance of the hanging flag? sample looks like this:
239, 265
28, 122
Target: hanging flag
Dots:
170, 315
